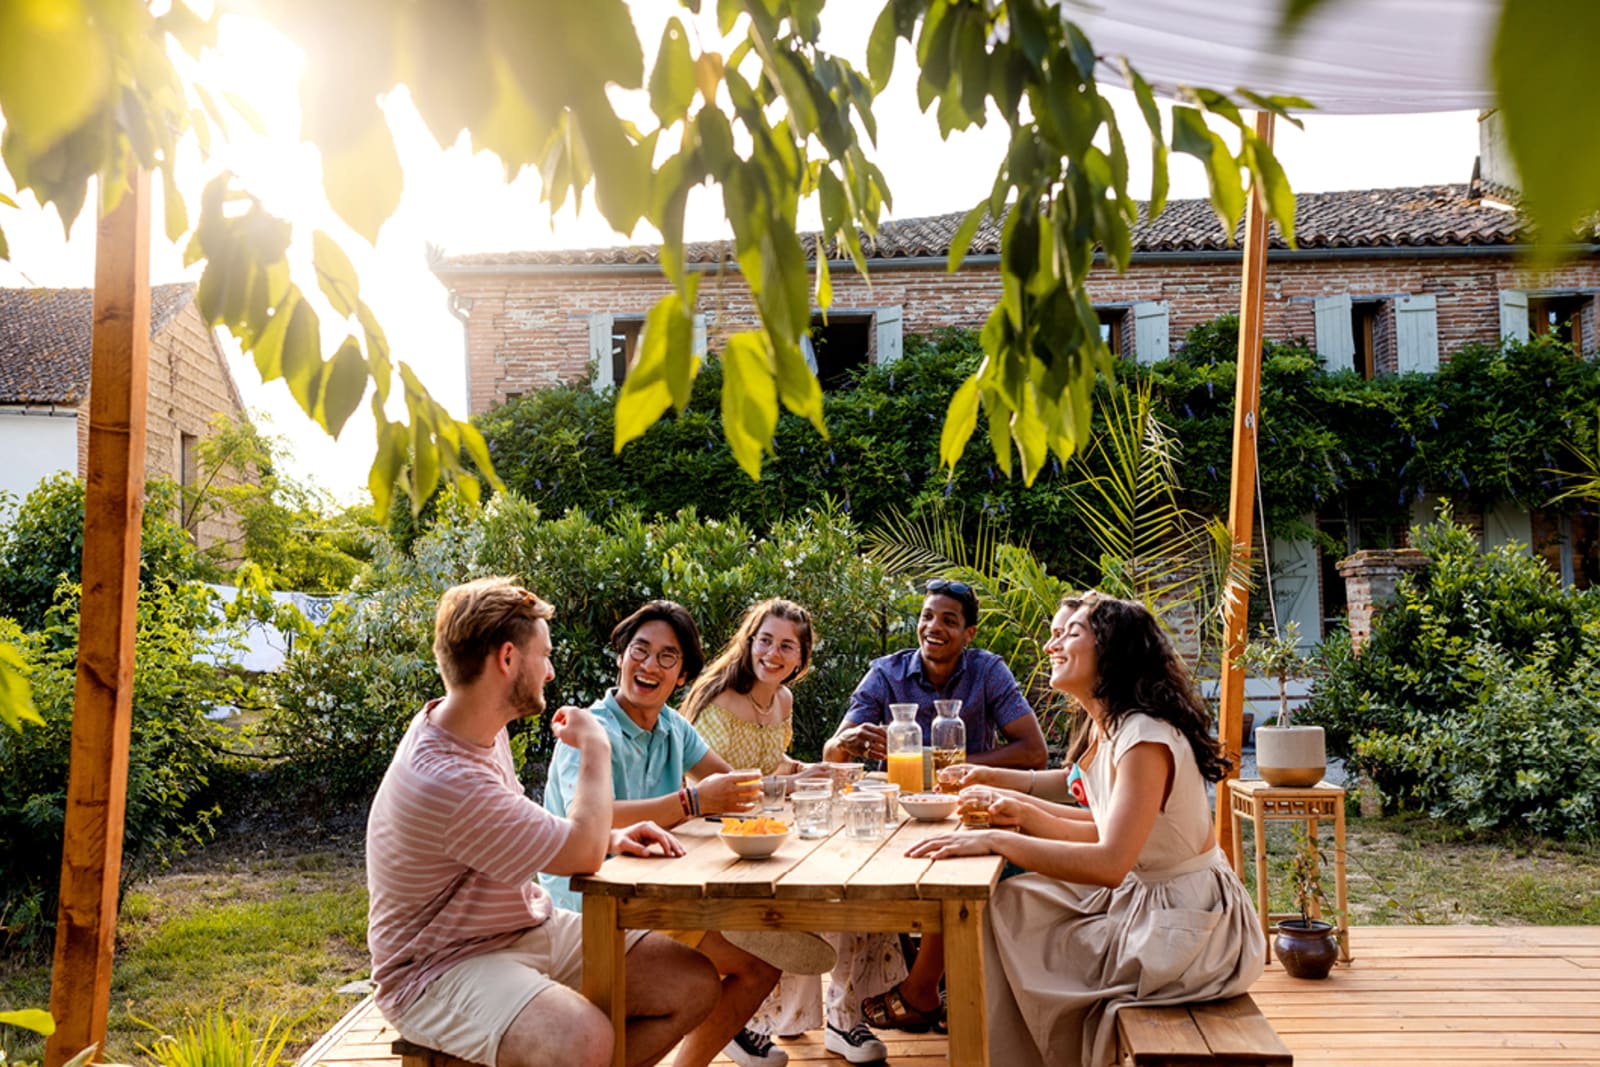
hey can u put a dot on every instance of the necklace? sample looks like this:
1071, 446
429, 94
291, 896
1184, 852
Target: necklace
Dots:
763, 711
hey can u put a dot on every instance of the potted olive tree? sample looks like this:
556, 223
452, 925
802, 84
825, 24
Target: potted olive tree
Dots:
1306, 947
1286, 754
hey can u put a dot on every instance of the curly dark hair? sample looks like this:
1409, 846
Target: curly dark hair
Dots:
1140, 671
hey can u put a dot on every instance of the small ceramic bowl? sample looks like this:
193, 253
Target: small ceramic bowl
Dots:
930, 807
754, 846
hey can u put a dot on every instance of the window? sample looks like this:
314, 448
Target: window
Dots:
1138, 329
850, 339
614, 345
1113, 322
189, 482
1348, 536
1374, 335
1560, 317
1566, 315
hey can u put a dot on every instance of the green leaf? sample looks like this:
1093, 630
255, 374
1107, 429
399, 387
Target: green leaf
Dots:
302, 356
362, 177
1295, 13
246, 112
424, 453
336, 277
1278, 197
672, 82
40, 1022
5, 249
663, 371
16, 707
54, 70
387, 462
960, 419
268, 348
749, 400
344, 382
881, 45
7, 201
1543, 79
173, 210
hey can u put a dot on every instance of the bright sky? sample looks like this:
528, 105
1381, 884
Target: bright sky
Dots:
462, 203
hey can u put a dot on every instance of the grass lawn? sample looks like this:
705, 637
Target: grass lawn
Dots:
274, 922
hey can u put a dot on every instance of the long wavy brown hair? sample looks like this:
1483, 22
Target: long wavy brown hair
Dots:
734, 667
1140, 671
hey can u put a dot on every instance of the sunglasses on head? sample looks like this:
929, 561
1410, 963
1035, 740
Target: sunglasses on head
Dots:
946, 585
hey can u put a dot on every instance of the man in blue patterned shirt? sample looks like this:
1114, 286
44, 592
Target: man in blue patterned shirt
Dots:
943, 667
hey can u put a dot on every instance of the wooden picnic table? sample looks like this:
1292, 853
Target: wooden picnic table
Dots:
833, 884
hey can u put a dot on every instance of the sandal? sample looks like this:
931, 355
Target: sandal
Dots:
891, 1011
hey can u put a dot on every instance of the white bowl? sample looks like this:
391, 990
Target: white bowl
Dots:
930, 807
754, 846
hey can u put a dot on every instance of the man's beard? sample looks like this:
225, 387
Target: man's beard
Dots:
526, 699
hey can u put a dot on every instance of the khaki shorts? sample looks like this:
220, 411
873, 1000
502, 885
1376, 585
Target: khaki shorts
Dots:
467, 1009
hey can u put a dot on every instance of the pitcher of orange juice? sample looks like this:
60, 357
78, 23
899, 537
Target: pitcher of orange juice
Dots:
904, 745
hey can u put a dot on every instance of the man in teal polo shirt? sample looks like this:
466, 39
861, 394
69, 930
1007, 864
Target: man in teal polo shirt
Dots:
653, 748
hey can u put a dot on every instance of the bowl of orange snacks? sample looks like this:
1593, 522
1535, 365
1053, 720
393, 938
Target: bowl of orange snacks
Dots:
755, 838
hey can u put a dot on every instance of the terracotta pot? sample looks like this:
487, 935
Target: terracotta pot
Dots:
1306, 952
1291, 756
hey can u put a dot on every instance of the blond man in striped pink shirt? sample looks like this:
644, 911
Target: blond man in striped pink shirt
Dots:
469, 955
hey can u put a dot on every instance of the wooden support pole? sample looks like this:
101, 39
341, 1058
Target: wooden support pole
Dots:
1242, 491
91, 855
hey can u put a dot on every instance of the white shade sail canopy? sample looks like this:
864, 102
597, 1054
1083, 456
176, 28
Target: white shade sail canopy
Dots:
1351, 57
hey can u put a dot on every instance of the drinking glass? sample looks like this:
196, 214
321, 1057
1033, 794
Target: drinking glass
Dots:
864, 815
975, 801
891, 798
846, 775
950, 778
772, 793
750, 793
812, 811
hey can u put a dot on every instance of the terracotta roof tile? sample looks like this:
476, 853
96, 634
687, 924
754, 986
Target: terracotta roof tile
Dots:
1416, 216
45, 338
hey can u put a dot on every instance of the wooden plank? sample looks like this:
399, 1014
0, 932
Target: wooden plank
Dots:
1161, 1038
664, 913
760, 878
1236, 1030
97, 780
894, 874
824, 873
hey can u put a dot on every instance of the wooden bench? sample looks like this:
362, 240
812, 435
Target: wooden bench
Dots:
1217, 1032
421, 1056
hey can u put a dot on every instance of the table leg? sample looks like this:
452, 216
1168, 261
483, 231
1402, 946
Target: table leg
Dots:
1258, 828
1315, 832
604, 981
1340, 898
962, 923
1235, 845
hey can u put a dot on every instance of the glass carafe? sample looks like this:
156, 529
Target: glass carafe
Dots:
904, 744
949, 736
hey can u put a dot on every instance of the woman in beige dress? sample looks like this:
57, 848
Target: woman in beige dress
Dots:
1127, 900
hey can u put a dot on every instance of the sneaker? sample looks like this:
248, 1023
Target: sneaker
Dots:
750, 1049
860, 1045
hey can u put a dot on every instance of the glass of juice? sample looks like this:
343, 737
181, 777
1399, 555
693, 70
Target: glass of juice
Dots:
975, 801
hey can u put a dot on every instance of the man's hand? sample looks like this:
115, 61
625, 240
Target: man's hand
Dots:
957, 843
729, 791
578, 728
637, 840
865, 741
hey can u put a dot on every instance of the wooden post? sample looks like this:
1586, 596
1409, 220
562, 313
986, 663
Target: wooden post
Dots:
91, 855
1242, 491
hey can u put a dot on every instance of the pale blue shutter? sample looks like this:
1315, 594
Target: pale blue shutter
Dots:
886, 324
1150, 342
1416, 329
1336, 342
600, 352
1513, 315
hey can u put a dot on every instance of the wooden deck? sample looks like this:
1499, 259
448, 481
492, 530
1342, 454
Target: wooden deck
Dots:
1416, 995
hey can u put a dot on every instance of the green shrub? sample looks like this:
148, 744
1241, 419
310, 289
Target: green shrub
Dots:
1442, 708
175, 752
41, 546
348, 690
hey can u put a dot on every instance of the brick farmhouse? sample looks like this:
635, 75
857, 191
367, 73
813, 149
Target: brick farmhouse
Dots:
44, 389
1382, 281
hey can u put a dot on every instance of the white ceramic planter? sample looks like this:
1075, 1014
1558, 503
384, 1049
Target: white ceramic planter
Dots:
1291, 756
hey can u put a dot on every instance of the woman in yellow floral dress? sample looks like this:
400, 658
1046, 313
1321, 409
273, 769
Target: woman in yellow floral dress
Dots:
742, 706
